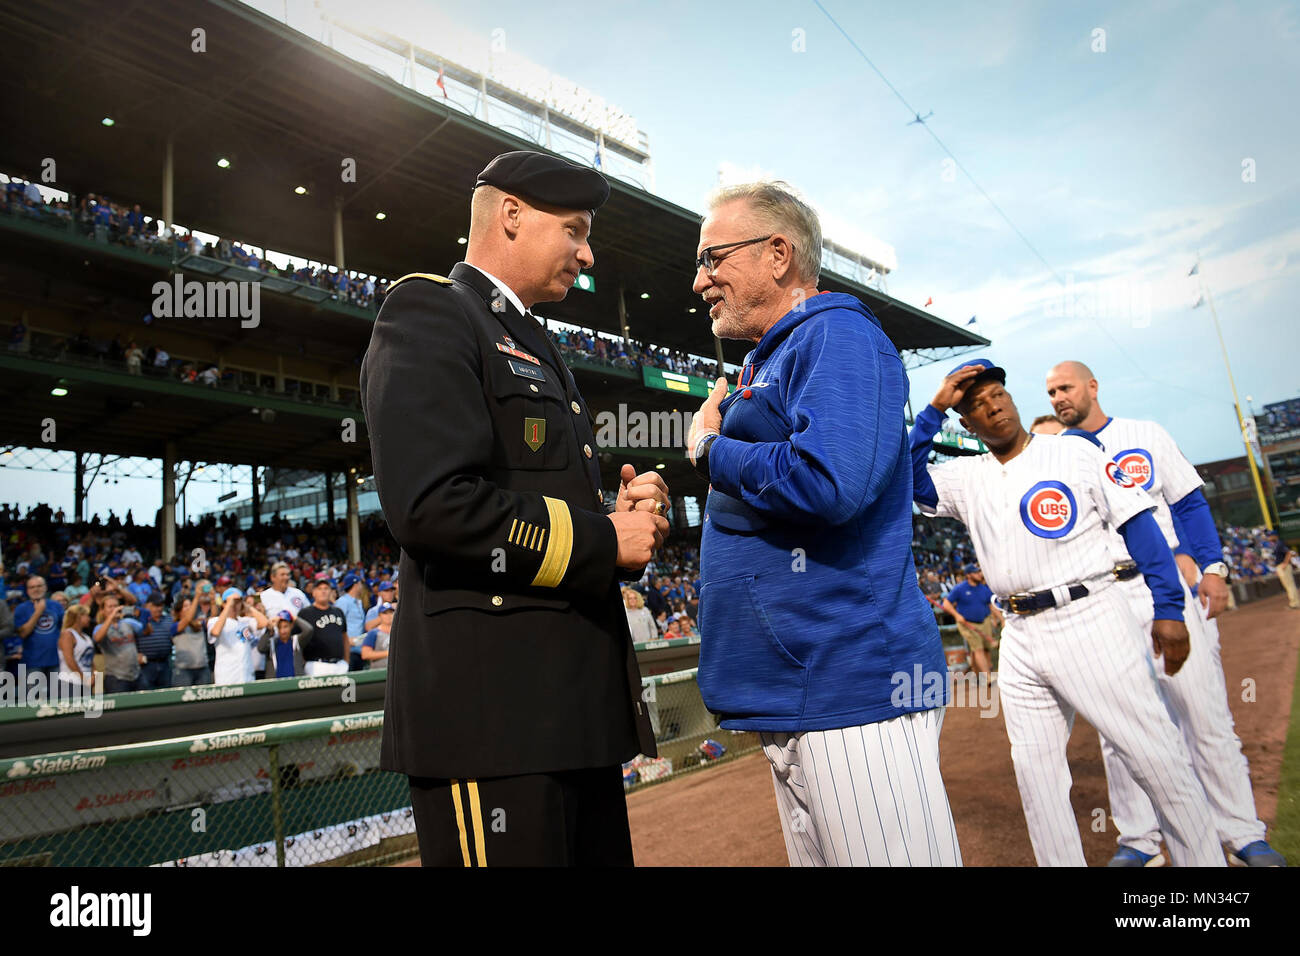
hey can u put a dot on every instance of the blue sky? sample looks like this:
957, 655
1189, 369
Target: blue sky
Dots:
1120, 166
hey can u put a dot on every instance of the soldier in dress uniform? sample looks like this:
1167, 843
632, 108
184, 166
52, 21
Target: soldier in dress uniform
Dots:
513, 690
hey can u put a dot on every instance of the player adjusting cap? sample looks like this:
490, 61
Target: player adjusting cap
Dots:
547, 179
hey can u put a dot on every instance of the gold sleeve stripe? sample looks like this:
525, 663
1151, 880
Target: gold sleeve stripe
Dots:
532, 538
541, 538
555, 561
460, 820
513, 525
479, 849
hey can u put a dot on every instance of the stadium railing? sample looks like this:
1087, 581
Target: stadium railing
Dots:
299, 793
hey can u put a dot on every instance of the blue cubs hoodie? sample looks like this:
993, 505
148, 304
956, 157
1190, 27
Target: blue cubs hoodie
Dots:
810, 613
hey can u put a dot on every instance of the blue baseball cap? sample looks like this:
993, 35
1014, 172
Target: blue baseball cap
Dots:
386, 586
971, 568
990, 370
350, 579
386, 607
228, 593
284, 616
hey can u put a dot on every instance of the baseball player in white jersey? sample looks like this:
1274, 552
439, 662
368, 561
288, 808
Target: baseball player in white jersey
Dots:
1037, 508
1197, 696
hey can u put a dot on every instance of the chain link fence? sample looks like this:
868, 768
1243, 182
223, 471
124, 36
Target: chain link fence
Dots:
301, 793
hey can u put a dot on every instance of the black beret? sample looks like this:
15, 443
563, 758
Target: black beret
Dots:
546, 179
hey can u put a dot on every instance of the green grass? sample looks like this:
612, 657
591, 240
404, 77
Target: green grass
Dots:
1285, 837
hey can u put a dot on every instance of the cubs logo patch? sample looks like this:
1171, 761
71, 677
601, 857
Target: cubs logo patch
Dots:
1137, 464
1119, 476
1049, 510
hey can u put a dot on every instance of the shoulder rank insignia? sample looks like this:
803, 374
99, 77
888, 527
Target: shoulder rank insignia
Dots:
441, 280
534, 432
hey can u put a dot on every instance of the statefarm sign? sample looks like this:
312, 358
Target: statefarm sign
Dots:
57, 793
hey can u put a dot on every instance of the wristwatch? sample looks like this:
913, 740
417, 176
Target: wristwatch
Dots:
1219, 568
701, 454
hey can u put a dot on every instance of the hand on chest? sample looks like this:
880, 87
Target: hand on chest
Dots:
756, 413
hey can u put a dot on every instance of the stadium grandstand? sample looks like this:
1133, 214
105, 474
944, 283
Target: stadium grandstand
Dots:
133, 175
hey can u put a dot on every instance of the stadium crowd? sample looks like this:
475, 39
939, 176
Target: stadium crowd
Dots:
229, 606
100, 218
94, 595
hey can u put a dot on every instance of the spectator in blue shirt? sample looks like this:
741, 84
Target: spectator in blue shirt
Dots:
970, 603
352, 604
39, 621
155, 643
141, 587
375, 648
386, 593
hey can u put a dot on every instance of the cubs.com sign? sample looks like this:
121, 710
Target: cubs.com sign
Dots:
1137, 464
1049, 510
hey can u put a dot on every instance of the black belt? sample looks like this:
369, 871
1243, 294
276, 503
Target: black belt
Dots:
1031, 602
158, 660
1125, 571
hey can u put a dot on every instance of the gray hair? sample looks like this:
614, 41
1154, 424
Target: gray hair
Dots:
776, 207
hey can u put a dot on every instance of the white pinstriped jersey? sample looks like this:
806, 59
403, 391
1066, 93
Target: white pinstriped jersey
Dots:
1150, 456
1060, 490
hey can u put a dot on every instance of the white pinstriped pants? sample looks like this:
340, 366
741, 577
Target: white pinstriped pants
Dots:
1197, 700
864, 796
1087, 657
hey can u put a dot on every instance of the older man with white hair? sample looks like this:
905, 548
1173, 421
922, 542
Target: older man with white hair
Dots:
814, 633
281, 595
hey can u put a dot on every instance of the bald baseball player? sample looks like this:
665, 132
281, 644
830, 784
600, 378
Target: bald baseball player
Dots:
1037, 508
1197, 696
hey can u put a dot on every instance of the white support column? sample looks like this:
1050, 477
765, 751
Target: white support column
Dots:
338, 234
168, 187
354, 518
167, 530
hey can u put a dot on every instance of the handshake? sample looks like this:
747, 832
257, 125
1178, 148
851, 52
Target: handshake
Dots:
639, 517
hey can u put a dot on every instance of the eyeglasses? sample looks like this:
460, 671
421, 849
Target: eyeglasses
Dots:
708, 259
